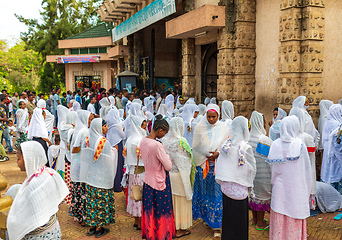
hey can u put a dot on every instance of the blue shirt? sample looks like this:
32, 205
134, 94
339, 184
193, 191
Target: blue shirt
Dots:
56, 98
78, 99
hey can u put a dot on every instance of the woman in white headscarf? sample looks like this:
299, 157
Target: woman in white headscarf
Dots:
138, 132
170, 107
116, 136
310, 144
206, 101
112, 100
209, 135
291, 181
49, 119
189, 115
37, 129
65, 130
76, 106
331, 171
235, 171
213, 100
97, 171
262, 188
227, 112
182, 175
324, 106
81, 132
274, 129
162, 110
33, 214
22, 116
122, 114
135, 110
303, 103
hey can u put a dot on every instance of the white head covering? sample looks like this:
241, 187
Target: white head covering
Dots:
178, 104
69, 123
170, 107
169, 98
324, 106
104, 111
299, 102
180, 158
137, 101
61, 113
213, 100
292, 169
122, 113
189, 121
206, 101
99, 173
257, 124
39, 196
37, 127
236, 161
76, 106
208, 137
274, 129
281, 114
202, 109
41, 104
162, 110
137, 134
227, 111
111, 100
296, 111
104, 102
115, 132
190, 101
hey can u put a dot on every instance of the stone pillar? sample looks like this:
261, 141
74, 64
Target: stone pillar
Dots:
188, 68
301, 53
138, 51
236, 56
130, 58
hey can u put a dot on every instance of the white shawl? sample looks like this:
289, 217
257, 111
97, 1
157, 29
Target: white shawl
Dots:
208, 137
39, 196
115, 132
37, 127
98, 173
236, 161
324, 106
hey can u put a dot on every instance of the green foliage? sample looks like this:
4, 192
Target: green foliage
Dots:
19, 68
60, 19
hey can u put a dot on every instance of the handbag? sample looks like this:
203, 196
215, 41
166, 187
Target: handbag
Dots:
137, 190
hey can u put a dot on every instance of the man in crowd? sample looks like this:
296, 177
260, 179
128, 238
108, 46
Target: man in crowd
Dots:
78, 97
69, 97
91, 105
118, 100
30, 104
14, 103
124, 98
52, 101
57, 101
4, 128
63, 99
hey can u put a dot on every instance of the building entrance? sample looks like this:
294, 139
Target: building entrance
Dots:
87, 82
209, 70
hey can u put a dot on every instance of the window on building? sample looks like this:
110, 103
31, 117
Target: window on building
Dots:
88, 50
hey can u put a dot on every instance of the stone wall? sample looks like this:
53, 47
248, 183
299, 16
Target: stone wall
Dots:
188, 68
236, 57
301, 58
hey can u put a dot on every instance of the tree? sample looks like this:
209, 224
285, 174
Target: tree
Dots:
60, 19
19, 68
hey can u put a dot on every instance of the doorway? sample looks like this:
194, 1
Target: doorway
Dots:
209, 70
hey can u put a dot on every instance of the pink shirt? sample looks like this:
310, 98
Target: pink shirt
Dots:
156, 162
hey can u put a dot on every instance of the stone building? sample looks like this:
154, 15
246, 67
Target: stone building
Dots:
259, 54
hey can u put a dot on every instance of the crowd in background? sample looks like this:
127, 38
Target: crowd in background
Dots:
176, 161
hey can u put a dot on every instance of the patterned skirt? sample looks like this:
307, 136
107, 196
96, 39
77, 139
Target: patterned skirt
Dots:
283, 227
68, 183
78, 201
134, 207
21, 137
100, 206
157, 220
207, 198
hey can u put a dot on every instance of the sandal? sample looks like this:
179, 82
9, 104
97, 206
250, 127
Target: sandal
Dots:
217, 235
187, 232
267, 228
338, 217
91, 232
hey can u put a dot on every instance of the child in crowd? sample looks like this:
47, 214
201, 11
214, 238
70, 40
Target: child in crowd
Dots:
55, 161
12, 129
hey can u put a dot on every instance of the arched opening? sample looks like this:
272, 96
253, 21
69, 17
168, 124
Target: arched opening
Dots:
209, 70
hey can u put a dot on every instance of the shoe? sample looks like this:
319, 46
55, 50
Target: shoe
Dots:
91, 232
13, 151
4, 159
101, 232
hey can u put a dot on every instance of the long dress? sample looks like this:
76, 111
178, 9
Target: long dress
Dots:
291, 180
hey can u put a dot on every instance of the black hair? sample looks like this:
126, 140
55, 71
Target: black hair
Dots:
21, 103
103, 122
168, 92
111, 90
91, 90
57, 138
2, 97
136, 95
276, 109
92, 96
41, 94
34, 93
160, 123
79, 91
30, 95
163, 94
57, 89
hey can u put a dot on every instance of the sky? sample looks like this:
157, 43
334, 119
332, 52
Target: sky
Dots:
10, 27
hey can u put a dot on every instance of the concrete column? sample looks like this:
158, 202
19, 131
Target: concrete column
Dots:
130, 58
188, 68
198, 76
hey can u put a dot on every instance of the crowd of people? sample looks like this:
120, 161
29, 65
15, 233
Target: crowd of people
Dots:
175, 161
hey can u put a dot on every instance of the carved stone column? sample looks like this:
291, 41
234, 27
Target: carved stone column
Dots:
188, 68
301, 35
138, 50
236, 56
130, 58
